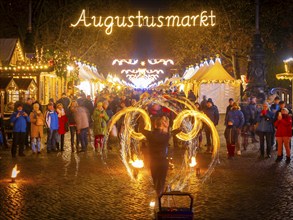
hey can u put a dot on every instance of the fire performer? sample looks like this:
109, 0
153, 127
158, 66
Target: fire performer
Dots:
158, 141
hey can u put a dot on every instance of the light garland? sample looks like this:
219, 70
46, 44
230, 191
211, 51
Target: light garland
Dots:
120, 62
24, 68
19, 50
164, 61
142, 77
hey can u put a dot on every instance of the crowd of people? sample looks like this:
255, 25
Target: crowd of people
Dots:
271, 123
84, 118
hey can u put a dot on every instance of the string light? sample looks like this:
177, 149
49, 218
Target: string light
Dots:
30, 68
164, 61
129, 61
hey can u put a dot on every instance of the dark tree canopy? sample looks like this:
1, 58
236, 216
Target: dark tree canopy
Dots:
232, 34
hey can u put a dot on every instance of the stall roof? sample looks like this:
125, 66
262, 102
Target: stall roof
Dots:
4, 82
216, 72
23, 84
7, 46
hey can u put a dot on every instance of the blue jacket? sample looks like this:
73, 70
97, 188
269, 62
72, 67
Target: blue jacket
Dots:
265, 122
20, 123
250, 113
52, 120
213, 114
237, 117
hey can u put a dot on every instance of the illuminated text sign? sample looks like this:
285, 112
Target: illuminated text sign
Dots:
203, 19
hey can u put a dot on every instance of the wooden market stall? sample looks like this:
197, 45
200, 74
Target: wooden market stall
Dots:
36, 80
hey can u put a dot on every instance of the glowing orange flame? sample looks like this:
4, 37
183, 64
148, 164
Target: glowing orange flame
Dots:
193, 162
14, 171
138, 163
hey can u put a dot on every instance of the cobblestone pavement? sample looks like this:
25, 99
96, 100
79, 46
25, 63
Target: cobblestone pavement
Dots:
83, 186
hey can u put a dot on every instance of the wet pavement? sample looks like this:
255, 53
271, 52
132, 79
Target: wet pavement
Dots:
84, 186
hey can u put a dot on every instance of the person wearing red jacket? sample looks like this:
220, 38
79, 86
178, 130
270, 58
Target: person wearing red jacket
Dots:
62, 121
283, 133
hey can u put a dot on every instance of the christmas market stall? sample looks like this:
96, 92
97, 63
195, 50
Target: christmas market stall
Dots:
36, 78
7, 85
215, 82
90, 80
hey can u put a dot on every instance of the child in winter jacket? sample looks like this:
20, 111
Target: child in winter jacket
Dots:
231, 138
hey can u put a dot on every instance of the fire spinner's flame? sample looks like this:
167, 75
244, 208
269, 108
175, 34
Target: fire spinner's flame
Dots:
14, 171
193, 162
138, 163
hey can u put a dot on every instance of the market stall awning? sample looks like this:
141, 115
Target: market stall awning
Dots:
215, 72
88, 72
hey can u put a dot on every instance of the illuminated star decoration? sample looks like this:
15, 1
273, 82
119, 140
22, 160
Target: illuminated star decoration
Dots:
142, 77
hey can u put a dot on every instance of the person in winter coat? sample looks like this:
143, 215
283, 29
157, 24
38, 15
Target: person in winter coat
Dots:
62, 123
282, 105
250, 114
72, 126
100, 119
37, 125
191, 96
231, 136
81, 117
51, 119
19, 119
212, 112
228, 108
265, 129
65, 101
283, 133
237, 117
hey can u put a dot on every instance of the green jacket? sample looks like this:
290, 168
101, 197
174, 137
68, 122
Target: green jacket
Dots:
100, 123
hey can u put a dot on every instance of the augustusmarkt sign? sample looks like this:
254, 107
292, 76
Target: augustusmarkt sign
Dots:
204, 19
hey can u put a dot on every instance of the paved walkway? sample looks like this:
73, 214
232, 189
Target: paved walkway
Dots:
83, 186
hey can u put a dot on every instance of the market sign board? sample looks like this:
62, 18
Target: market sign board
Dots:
204, 19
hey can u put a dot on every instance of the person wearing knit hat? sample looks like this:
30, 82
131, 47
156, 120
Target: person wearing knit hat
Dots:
229, 107
100, 118
212, 112
237, 117
285, 109
265, 129
210, 100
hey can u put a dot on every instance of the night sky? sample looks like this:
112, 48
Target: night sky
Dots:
144, 37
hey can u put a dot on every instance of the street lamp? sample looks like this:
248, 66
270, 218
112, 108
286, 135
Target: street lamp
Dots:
287, 76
